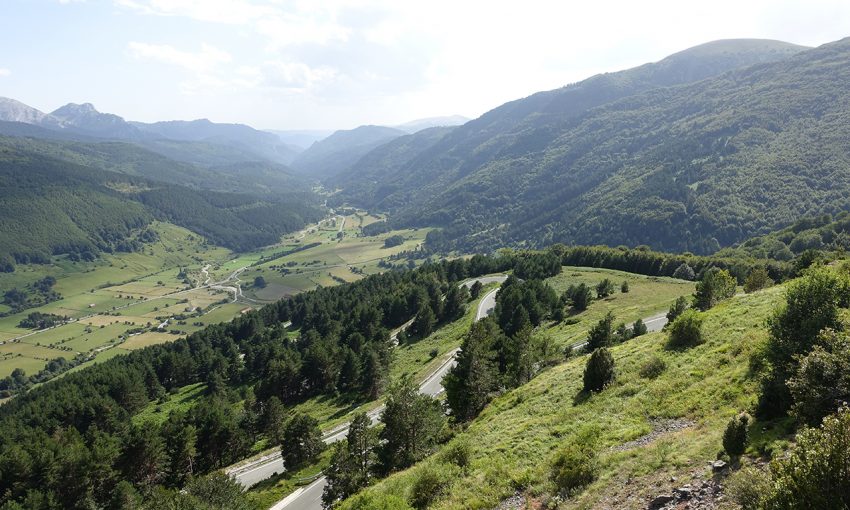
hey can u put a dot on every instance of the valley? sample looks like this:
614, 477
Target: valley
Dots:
629, 291
178, 285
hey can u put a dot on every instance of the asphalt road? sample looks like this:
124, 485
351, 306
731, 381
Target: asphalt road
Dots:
310, 497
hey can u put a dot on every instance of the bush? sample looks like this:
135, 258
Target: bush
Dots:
814, 474
812, 303
735, 435
623, 333
573, 468
599, 371
757, 279
431, 483
652, 368
747, 487
458, 452
684, 272
602, 333
822, 380
604, 288
686, 330
624, 288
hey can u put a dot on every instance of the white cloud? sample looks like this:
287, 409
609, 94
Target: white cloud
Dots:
294, 76
281, 25
4, 72
207, 59
231, 12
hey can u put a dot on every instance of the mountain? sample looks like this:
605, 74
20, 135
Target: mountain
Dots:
260, 178
334, 154
16, 111
199, 142
301, 139
237, 136
420, 124
651, 155
84, 118
364, 179
84, 198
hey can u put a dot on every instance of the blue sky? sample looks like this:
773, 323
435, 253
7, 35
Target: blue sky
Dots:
338, 64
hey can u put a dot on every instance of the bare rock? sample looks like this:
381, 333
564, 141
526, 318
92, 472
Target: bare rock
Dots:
660, 501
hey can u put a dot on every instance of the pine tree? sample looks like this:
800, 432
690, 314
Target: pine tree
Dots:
471, 382
302, 441
599, 371
602, 333
411, 423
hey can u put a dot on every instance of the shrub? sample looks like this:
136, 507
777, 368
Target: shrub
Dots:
735, 435
822, 380
458, 452
602, 333
812, 303
573, 468
430, 484
686, 330
747, 487
652, 368
604, 288
684, 272
599, 371
814, 474
757, 279
624, 288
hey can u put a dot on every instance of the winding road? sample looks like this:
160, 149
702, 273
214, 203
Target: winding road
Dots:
309, 497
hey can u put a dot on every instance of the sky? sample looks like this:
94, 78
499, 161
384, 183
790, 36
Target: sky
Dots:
333, 64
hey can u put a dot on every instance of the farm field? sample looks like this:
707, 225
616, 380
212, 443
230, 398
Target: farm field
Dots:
109, 300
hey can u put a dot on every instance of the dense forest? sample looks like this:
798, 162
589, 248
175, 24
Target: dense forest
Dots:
694, 167
52, 206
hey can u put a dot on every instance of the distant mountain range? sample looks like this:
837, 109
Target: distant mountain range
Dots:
199, 141
338, 152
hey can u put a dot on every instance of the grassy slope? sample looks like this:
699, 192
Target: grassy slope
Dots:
646, 297
515, 438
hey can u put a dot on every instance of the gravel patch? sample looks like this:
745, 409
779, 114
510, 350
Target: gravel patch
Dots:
659, 428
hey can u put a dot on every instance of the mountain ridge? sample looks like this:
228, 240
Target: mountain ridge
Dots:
501, 158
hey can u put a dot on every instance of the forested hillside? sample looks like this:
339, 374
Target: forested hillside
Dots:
257, 177
689, 167
52, 206
338, 152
